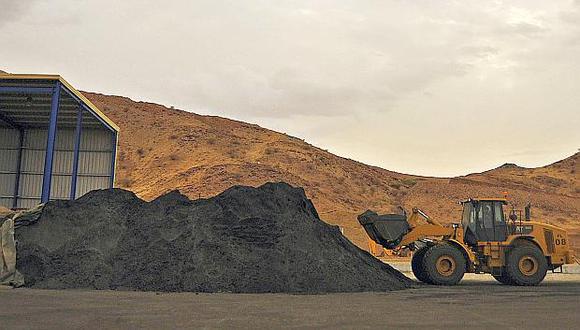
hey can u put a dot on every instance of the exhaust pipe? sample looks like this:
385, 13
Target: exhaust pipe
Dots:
528, 212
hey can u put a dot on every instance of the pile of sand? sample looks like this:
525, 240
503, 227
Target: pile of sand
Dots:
266, 239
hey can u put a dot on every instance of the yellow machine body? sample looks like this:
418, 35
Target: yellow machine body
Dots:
513, 249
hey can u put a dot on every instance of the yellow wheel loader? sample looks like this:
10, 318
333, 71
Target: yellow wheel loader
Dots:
514, 250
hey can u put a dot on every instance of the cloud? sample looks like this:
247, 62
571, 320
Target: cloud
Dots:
526, 29
281, 60
12, 10
434, 72
287, 58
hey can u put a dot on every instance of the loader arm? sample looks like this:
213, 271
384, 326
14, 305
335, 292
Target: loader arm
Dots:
394, 231
417, 214
424, 231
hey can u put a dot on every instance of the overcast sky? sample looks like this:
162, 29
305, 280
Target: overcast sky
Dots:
424, 87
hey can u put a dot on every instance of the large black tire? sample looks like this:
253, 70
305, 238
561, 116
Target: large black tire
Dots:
444, 264
417, 265
503, 278
526, 265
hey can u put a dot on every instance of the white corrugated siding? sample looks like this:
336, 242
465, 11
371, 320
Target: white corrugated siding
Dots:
9, 139
86, 184
8, 159
94, 164
60, 186
35, 138
30, 185
6, 202
32, 167
28, 203
94, 161
7, 182
7, 189
96, 140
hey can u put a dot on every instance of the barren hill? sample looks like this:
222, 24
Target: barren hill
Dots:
164, 149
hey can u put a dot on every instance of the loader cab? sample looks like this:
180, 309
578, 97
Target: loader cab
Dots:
483, 220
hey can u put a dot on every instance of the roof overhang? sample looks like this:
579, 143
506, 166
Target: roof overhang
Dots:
25, 101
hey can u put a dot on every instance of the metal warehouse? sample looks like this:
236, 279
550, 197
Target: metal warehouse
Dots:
54, 143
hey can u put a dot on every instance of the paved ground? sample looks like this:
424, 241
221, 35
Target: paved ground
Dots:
477, 303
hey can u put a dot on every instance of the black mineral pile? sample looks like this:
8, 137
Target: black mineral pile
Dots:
265, 239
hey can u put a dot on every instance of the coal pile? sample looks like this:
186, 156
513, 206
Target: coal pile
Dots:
253, 240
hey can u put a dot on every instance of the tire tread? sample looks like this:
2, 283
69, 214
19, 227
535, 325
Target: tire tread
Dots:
429, 266
512, 269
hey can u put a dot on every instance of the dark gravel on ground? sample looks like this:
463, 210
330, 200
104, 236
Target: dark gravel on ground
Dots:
265, 239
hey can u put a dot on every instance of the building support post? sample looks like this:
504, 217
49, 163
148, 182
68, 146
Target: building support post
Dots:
113, 158
76, 153
48, 159
18, 168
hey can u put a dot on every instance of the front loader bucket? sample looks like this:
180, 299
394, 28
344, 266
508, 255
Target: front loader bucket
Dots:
386, 230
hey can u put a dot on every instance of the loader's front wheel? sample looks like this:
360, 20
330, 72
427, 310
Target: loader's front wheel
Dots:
444, 264
417, 265
526, 265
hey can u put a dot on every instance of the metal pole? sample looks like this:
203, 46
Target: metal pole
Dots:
113, 158
76, 153
18, 169
47, 175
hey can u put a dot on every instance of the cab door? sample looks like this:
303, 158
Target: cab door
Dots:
490, 223
501, 228
485, 232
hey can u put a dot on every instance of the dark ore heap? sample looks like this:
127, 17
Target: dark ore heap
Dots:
265, 239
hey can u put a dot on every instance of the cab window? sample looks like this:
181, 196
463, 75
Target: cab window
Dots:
499, 216
468, 215
486, 214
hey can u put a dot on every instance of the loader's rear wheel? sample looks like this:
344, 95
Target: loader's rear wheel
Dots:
526, 265
444, 264
417, 265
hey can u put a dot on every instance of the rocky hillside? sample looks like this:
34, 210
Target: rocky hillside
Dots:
163, 149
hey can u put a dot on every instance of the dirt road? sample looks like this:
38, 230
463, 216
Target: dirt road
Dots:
477, 303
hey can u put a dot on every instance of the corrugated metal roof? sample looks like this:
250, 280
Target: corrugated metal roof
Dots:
67, 111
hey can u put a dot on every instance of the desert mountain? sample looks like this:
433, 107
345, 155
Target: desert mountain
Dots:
163, 149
